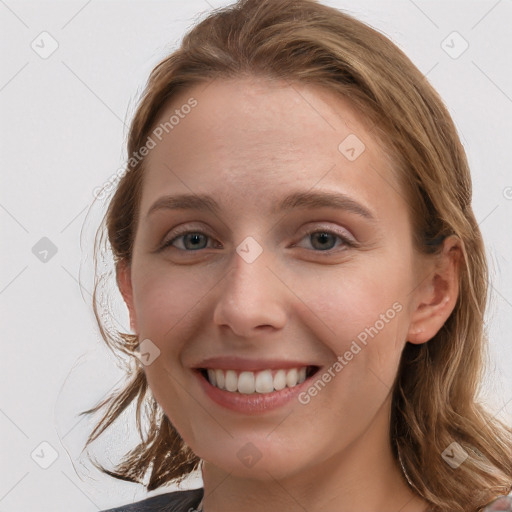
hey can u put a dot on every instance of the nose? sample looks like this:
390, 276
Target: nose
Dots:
251, 298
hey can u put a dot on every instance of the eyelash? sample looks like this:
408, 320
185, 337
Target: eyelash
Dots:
347, 242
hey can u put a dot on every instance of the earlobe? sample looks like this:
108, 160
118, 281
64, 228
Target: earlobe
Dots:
437, 296
124, 283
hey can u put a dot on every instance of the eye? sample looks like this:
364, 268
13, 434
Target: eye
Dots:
321, 240
324, 240
190, 241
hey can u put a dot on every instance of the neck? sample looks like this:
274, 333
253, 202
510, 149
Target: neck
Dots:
364, 476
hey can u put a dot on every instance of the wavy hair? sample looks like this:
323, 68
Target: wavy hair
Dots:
435, 392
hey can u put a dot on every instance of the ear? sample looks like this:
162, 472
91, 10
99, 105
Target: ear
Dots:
124, 282
437, 294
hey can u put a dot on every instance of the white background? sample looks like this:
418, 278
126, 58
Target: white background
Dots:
63, 125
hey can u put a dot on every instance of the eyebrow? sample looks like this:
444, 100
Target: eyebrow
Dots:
305, 200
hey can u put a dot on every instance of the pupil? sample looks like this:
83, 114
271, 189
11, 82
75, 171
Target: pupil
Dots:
194, 238
323, 237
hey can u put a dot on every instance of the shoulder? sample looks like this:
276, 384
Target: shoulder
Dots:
501, 504
178, 501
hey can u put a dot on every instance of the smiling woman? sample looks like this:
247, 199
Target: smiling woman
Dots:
305, 278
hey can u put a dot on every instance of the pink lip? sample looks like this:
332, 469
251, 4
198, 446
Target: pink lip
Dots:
257, 403
251, 365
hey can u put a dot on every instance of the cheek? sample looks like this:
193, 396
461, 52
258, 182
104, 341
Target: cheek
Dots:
362, 318
165, 299
168, 305
349, 302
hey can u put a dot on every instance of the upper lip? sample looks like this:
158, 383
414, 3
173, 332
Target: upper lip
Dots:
239, 363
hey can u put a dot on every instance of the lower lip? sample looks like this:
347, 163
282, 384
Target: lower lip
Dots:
256, 403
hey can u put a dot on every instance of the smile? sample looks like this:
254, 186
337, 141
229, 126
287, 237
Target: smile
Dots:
263, 382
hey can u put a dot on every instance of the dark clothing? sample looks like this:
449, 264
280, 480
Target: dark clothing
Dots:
188, 501
178, 501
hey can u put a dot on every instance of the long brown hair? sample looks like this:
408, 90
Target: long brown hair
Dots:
435, 393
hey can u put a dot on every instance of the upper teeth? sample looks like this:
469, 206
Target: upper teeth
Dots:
256, 382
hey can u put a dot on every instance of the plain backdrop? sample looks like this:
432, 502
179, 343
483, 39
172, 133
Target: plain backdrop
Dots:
64, 119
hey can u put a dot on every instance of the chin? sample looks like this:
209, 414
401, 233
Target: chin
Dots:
256, 458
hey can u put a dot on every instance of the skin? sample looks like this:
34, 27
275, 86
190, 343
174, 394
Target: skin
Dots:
248, 143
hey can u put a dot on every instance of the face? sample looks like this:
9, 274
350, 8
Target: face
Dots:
296, 291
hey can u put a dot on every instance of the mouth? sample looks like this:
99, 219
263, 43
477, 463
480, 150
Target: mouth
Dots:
262, 382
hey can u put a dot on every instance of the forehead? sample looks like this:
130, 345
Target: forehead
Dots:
248, 140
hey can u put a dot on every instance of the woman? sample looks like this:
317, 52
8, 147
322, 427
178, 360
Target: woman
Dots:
305, 277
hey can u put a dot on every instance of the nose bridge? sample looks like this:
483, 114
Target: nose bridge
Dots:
250, 295
248, 280
249, 274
